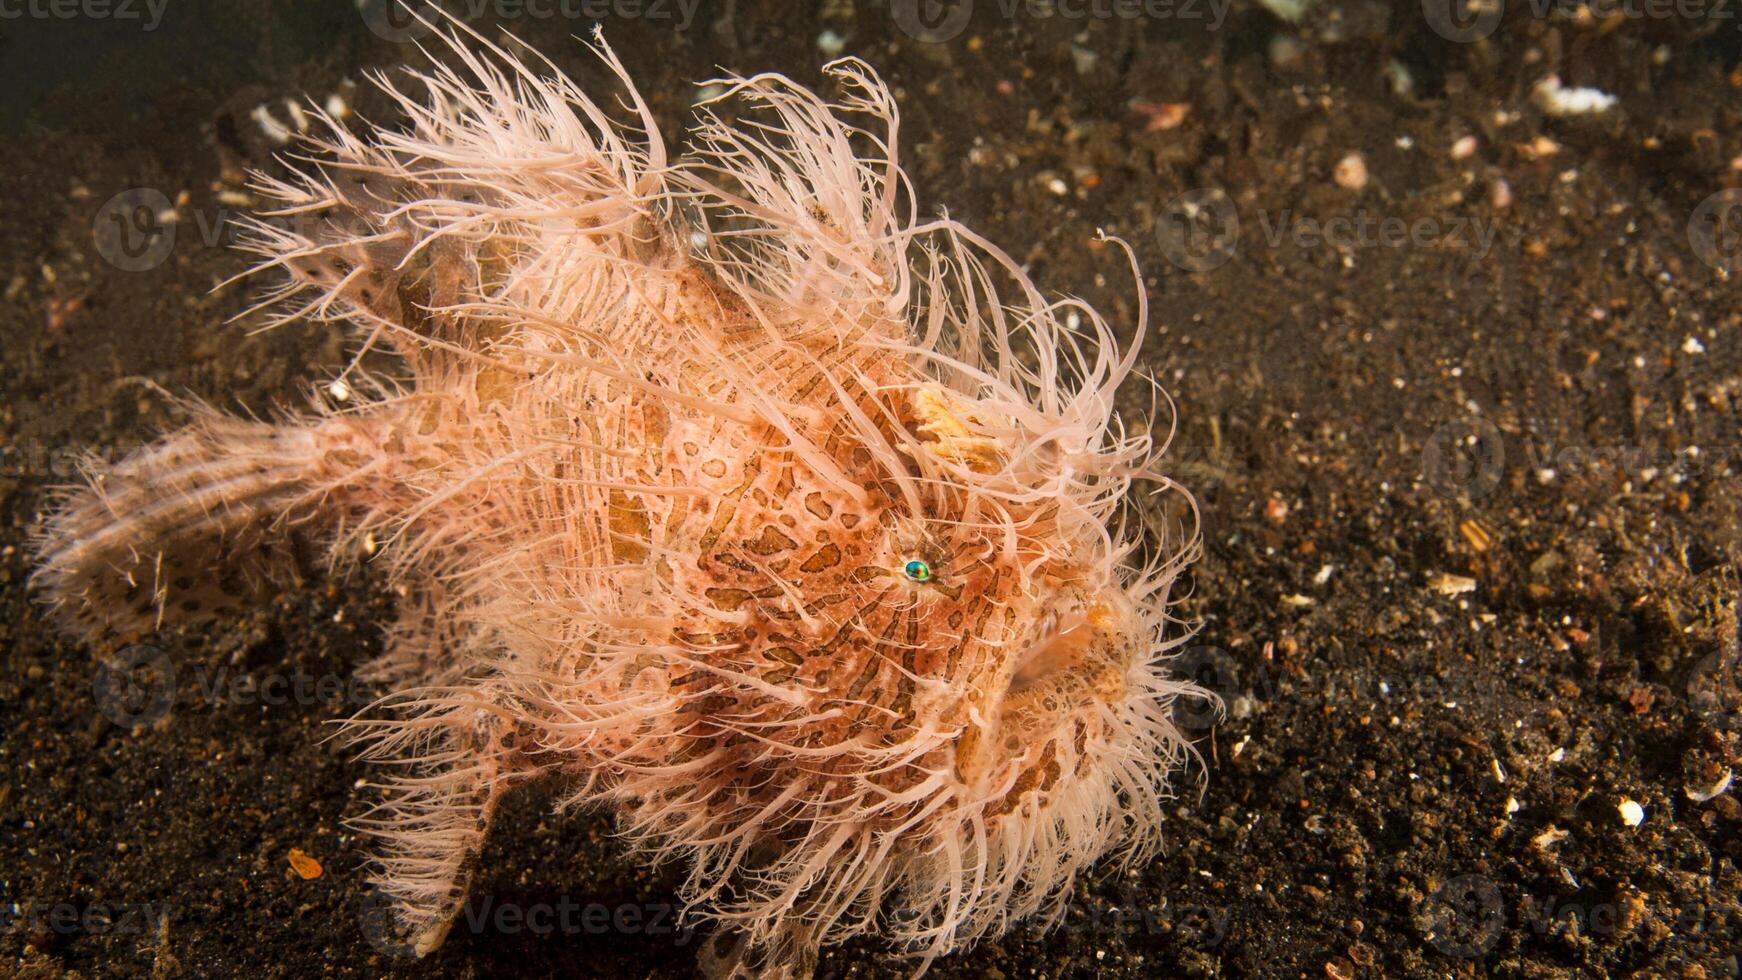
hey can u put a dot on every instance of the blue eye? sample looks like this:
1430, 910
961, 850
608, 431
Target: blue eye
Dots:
917, 570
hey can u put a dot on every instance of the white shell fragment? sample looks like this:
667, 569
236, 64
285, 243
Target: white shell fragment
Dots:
1632, 814
1559, 100
1704, 794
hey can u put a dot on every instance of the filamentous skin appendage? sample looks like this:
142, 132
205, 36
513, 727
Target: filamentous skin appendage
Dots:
791, 528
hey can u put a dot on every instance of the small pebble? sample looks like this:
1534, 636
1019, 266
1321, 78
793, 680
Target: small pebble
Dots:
1556, 99
1703, 794
1541, 147
1500, 195
1351, 172
1549, 838
305, 866
1276, 510
1083, 59
1286, 51
1162, 115
1448, 584
1632, 814
1401, 80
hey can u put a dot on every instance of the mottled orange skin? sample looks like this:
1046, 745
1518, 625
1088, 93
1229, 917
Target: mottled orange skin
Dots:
845, 623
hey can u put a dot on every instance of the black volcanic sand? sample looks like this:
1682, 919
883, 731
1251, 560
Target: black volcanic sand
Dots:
1469, 511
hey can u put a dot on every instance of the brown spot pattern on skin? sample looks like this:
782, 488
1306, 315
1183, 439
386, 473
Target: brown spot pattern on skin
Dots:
729, 600
629, 527
1039, 777
772, 542
826, 557
819, 506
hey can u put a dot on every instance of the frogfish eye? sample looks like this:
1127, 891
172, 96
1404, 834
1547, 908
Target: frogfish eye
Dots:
917, 570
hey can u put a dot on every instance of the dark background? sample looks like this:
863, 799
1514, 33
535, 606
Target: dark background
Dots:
1412, 779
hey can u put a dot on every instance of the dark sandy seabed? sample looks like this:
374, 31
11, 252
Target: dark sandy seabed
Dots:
1470, 514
